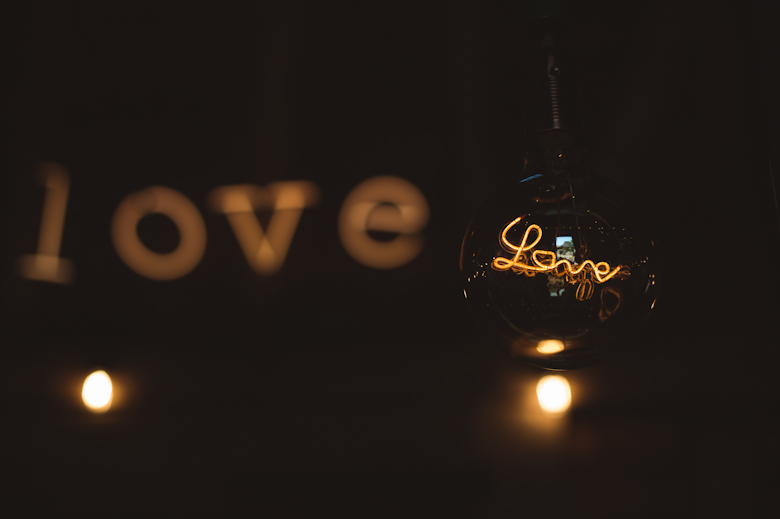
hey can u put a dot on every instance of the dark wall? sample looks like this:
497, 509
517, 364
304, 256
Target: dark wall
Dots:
332, 387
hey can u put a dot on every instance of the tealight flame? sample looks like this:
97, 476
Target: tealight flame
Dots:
97, 392
549, 347
554, 394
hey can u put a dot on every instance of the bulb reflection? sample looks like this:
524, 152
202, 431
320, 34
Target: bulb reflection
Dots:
554, 394
550, 347
97, 392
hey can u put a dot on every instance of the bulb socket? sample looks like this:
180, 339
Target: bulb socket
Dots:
552, 116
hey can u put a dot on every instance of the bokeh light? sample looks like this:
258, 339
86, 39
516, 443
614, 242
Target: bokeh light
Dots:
98, 392
554, 394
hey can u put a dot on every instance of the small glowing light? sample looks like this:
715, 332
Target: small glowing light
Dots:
97, 392
550, 347
554, 394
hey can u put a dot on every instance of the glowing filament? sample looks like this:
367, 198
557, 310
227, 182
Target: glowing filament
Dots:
97, 392
554, 394
531, 262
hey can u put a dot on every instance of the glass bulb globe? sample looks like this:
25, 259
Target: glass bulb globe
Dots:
558, 268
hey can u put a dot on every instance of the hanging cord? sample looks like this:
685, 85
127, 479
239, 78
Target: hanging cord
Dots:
552, 116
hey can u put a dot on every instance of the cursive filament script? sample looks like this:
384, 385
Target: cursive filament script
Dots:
531, 262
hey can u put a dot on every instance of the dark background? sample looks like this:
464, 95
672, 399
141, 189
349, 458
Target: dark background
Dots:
333, 389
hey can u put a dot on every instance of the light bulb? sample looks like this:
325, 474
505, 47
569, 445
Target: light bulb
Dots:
557, 265
558, 268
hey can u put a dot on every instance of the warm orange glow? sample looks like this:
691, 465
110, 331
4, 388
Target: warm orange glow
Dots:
549, 347
97, 392
264, 251
185, 216
554, 394
388, 204
542, 261
47, 265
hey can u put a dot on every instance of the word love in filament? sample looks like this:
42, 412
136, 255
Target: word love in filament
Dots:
531, 262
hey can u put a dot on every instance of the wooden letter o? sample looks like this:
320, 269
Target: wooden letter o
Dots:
186, 217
